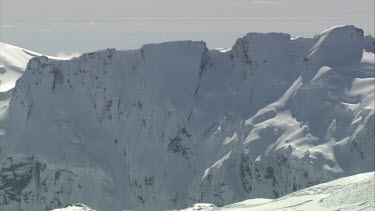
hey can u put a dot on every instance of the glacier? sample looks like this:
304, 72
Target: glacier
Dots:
173, 124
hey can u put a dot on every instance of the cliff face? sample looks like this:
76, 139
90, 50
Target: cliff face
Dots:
173, 124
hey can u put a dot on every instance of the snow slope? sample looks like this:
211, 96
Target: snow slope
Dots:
75, 207
348, 193
174, 124
13, 61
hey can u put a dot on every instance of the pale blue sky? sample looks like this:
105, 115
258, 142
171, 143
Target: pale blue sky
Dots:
50, 27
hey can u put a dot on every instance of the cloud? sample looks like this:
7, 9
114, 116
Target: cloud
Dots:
142, 29
7, 26
92, 24
90, 27
45, 30
264, 2
66, 55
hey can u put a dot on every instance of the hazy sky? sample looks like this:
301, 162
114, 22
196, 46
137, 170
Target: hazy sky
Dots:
52, 27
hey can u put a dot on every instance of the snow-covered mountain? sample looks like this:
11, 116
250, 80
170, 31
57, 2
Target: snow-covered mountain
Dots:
13, 61
174, 124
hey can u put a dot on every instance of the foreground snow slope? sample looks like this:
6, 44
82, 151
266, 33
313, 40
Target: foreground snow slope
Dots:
173, 124
348, 193
75, 207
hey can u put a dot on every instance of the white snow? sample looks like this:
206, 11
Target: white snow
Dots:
13, 61
75, 207
348, 193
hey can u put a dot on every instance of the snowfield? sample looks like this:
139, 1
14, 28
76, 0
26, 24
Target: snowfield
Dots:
75, 207
348, 193
174, 124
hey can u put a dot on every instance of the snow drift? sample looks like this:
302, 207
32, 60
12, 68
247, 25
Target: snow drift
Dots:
348, 193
